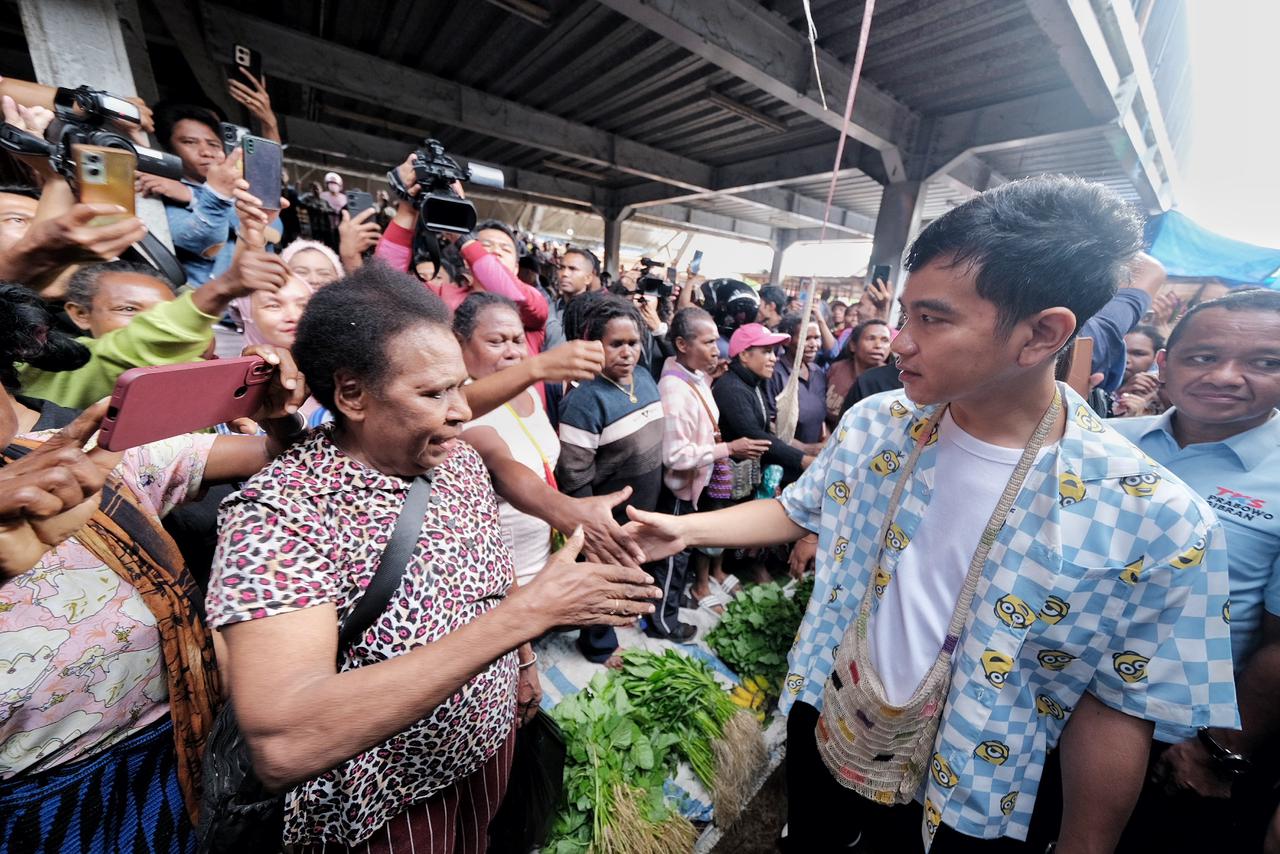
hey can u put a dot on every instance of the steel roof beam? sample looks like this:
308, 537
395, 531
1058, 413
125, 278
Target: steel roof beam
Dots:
1101, 50
351, 73
317, 138
761, 48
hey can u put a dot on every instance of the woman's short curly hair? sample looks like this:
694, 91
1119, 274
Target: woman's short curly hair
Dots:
28, 334
349, 324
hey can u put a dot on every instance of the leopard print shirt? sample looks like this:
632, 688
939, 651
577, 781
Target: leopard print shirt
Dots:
310, 529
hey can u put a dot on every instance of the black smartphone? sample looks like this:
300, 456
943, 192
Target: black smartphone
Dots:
262, 164
231, 136
696, 264
247, 58
881, 273
358, 201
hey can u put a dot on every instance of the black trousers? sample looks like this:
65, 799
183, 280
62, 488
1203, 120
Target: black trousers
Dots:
670, 575
1176, 822
823, 816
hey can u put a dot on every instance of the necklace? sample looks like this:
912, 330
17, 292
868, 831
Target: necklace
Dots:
629, 392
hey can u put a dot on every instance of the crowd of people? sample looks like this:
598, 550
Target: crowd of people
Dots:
1040, 612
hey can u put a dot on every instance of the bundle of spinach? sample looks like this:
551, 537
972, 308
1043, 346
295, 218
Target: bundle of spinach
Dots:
756, 631
613, 776
680, 696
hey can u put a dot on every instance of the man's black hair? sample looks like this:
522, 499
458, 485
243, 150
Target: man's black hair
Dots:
168, 115
28, 190
585, 253
1250, 300
1157, 340
682, 323
604, 311
1037, 243
349, 324
84, 282
467, 315
497, 225
775, 296
28, 334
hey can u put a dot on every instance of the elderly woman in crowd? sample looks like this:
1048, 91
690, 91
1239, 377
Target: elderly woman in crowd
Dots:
520, 449
405, 745
109, 681
691, 445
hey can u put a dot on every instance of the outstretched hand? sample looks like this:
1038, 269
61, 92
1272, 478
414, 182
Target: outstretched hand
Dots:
606, 540
657, 534
568, 593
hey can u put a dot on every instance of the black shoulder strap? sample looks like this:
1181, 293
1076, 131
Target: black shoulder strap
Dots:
395, 557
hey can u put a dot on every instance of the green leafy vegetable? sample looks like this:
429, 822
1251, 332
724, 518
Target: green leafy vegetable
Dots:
757, 630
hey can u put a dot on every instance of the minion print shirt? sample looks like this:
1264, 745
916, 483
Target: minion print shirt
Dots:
1109, 576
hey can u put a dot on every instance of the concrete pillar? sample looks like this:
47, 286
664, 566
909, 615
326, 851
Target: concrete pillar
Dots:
81, 41
613, 219
896, 223
783, 238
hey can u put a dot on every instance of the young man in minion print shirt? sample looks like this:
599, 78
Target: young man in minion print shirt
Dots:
1094, 580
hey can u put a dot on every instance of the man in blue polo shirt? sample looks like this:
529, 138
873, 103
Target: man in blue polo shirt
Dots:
1221, 370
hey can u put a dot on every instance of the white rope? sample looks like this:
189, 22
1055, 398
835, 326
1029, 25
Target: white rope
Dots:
813, 48
789, 398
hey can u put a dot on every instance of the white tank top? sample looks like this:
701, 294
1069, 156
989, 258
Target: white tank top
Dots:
528, 537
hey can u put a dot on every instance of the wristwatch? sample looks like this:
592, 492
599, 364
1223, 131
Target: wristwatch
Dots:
1229, 763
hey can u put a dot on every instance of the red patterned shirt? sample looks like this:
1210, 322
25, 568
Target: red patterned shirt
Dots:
310, 529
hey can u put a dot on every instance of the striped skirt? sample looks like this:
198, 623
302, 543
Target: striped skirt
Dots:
124, 800
454, 820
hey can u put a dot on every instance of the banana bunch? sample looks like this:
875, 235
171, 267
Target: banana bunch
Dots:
751, 694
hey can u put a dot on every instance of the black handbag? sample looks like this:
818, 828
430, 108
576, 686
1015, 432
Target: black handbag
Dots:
534, 786
237, 813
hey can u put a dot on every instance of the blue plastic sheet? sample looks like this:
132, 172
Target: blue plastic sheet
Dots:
1187, 249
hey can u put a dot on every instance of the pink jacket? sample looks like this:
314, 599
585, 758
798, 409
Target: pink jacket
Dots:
689, 435
396, 248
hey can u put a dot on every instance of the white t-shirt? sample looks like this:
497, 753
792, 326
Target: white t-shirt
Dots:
528, 537
911, 623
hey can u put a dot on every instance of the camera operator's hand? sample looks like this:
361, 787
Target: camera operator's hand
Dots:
49, 494
570, 361
222, 176
70, 239
254, 96
155, 187
33, 120
356, 236
408, 176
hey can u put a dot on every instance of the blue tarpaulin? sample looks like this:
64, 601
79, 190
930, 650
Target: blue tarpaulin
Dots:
1189, 250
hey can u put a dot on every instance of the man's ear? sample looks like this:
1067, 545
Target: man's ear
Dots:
1047, 332
350, 396
1162, 359
79, 315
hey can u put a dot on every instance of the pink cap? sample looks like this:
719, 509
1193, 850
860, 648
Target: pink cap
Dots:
753, 335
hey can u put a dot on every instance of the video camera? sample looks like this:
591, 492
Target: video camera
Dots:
651, 284
85, 116
440, 209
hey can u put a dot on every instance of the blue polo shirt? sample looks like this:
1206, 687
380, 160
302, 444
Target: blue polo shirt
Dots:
1238, 478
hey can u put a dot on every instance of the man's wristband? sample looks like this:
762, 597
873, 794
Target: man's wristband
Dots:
287, 429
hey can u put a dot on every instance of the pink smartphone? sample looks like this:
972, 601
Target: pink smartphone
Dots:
150, 404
